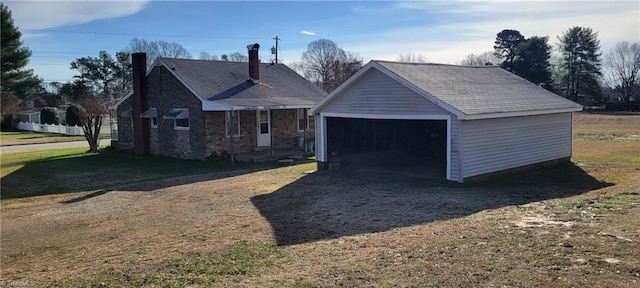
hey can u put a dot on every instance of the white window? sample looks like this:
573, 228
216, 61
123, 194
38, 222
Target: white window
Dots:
232, 123
180, 118
302, 120
152, 115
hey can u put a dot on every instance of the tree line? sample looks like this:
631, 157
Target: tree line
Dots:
580, 73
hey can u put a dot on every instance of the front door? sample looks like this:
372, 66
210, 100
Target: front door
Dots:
264, 128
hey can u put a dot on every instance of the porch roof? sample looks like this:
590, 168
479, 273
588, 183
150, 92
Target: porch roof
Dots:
256, 104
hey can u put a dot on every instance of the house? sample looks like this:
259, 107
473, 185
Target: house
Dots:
195, 109
464, 121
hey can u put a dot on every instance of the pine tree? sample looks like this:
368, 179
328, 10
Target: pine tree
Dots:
579, 63
507, 42
13, 59
532, 61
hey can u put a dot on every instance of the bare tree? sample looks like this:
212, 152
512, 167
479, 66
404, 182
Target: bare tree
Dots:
297, 66
343, 69
235, 57
327, 65
410, 57
318, 60
10, 103
92, 110
155, 49
482, 59
621, 67
207, 56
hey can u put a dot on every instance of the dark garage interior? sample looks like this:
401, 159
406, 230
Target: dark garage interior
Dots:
416, 147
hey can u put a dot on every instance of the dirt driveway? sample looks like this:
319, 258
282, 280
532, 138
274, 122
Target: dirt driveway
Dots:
331, 229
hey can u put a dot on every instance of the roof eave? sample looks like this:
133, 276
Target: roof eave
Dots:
212, 106
518, 113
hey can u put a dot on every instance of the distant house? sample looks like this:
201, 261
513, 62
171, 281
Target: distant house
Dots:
195, 109
465, 121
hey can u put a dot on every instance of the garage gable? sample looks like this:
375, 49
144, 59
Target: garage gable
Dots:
377, 93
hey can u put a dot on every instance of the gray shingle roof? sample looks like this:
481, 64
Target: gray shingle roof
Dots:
228, 83
476, 90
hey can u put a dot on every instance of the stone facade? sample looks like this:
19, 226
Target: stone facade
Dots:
284, 129
207, 130
165, 92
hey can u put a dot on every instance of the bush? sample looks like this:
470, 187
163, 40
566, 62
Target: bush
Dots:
73, 116
49, 115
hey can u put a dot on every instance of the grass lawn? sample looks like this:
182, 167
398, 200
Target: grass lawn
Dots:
8, 138
70, 170
570, 225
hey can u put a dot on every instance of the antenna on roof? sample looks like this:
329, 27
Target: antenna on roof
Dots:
274, 50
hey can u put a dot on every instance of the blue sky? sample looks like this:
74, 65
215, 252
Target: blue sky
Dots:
443, 31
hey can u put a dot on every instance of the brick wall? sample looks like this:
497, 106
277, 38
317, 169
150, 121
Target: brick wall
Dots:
165, 92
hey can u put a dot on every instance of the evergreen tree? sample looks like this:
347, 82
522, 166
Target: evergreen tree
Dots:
579, 63
507, 42
532, 61
13, 59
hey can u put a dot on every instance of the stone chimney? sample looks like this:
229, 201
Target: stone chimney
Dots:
140, 105
254, 63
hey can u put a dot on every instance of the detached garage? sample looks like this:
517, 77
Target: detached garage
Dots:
455, 122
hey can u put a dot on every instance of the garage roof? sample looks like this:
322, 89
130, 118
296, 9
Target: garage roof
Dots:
469, 92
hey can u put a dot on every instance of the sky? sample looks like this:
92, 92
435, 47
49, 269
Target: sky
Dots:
57, 32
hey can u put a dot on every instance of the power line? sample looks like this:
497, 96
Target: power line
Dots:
145, 35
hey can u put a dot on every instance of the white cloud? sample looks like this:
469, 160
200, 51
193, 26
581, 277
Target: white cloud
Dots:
306, 32
50, 14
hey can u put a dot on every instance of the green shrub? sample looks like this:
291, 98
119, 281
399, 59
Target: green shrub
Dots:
49, 115
73, 116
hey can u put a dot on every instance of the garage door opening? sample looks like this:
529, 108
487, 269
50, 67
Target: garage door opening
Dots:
411, 147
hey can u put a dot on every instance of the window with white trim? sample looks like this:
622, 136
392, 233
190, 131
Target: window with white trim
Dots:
180, 118
302, 121
232, 126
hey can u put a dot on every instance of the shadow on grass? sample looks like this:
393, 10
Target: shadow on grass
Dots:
108, 170
333, 204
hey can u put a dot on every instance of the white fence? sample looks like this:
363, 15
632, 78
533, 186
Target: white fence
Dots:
50, 128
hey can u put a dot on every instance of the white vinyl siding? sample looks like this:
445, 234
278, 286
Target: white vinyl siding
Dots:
321, 138
455, 173
376, 93
497, 144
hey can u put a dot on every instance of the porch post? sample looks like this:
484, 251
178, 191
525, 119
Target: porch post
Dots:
273, 153
305, 116
230, 133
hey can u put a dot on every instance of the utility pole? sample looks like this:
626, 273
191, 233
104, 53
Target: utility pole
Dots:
274, 50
